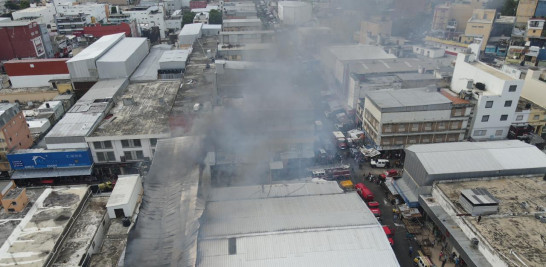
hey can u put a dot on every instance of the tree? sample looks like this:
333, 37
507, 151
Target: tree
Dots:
215, 17
509, 8
24, 4
187, 17
113, 10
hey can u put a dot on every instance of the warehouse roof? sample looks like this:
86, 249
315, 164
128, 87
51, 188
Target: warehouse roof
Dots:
191, 29
124, 189
254, 216
385, 99
98, 48
274, 191
175, 56
359, 52
468, 157
105, 89
123, 49
396, 65
143, 109
147, 70
75, 124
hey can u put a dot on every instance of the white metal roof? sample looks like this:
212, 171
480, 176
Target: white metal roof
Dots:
407, 98
124, 189
274, 191
147, 70
75, 124
366, 246
123, 49
175, 56
251, 216
479, 196
359, 52
105, 89
191, 29
463, 157
98, 48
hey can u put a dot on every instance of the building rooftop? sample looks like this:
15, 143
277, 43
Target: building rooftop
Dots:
323, 227
7, 112
142, 109
407, 98
191, 29
416, 76
395, 65
123, 50
98, 48
274, 191
240, 47
175, 56
147, 70
495, 72
358, 52
125, 186
34, 239
14, 23
455, 99
105, 89
75, 125
479, 157
514, 232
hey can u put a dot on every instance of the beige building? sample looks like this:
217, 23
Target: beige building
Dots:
452, 17
394, 119
480, 25
373, 28
534, 91
526, 10
14, 132
15, 200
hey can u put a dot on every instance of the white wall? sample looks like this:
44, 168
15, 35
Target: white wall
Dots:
416, 116
118, 150
146, 17
534, 89
45, 14
35, 80
95, 10
497, 86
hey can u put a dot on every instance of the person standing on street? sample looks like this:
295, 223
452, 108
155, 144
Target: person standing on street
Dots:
441, 255
444, 261
410, 251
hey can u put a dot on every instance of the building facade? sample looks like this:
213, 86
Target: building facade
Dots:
14, 132
147, 17
21, 39
494, 93
394, 119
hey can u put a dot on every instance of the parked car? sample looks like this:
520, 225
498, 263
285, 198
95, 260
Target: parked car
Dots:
380, 163
389, 233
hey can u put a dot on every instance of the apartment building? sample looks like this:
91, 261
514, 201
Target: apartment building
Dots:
14, 132
394, 119
494, 93
147, 17
480, 25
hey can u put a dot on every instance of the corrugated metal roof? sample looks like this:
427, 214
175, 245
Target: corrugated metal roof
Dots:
147, 70
467, 157
53, 172
250, 216
479, 196
359, 52
124, 189
75, 124
191, 29
123, 50
175, 56
365, 246
105, 89
97, 48
274, 191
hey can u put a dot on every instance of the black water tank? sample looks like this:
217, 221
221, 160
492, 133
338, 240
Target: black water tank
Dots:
126, 222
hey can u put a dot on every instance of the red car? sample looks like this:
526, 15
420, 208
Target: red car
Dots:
389, 173
389, 233
376, 212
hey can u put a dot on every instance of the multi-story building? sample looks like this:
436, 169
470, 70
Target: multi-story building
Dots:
147, 17
42, 14
494, 93
202, 17
534, 90
394, 119
14, 132
526, 10
480, 25
96, 13
374, 27
451, 17
21, 39
71, 24
536, 28
231, 25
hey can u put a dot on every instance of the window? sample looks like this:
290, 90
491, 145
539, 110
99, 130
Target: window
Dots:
105, 156
485, 118
489, 104
504, 117
512, 88
536, 117
153, 142
125, 143
97, 145
110, 156
508, 103
128, 155
136, 143
139, 154
130, 143
519, 118
100, 156
479, 132
102, 145
498, 132
107, 144
441, 125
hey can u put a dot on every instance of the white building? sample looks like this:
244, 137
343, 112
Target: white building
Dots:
148, 17
44, 14
202, 17
125, 196
96, 12
52, 107
294, 12
496, 95
138, 120
427, 51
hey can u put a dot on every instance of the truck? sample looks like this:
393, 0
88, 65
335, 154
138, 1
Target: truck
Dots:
339, 140
380, 163
389, 233
364, 192
331, 172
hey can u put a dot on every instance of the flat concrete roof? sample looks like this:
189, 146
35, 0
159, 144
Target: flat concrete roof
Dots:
37, 233
385, 99
495, 72
147, 112
514, 228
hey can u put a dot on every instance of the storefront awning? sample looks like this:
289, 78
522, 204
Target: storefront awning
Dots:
51, 173
409, 197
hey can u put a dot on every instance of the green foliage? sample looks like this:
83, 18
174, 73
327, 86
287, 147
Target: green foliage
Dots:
215, 17
187, 18
24, 4
509, 8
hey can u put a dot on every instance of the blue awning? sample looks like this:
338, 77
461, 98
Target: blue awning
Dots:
409, 197
52, 173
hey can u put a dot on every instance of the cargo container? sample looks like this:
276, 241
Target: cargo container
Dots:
44, 159
123, 59
82, 67
174, 59
190, 33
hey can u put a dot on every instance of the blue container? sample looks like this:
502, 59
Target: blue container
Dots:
44, 159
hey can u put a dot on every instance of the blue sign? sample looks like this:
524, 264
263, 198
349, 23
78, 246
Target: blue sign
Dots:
44, 159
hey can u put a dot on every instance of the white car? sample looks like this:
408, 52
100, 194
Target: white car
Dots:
380, 163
